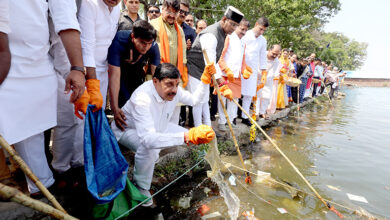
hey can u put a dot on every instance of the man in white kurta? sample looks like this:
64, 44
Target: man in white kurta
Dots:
98, 22
256, 59
211, 40
29, 93
148, 113
232, 64
273, 71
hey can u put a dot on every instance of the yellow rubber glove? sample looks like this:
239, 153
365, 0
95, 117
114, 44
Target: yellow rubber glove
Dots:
96, 98
81, 104
226, 92
209, 70
230, 74
247, 72
202, 134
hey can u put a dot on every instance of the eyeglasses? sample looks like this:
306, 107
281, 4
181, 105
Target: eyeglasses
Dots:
184, 12
189, 20
154, 11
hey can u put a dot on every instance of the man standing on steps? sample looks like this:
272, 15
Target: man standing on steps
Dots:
211, 40
172, 44
273, 72
232, 64
129, 15
256, 59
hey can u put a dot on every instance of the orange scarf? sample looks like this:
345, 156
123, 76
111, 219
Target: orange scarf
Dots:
164, 50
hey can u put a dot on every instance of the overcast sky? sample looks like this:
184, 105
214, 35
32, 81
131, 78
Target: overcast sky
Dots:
367, 21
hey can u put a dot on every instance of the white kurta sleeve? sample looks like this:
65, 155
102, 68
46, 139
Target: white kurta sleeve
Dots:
63, 14
145, 126
4, 16
263, 55
209, 43
195, 98
87, 18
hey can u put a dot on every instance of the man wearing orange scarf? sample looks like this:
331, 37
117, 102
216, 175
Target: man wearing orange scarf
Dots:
172, 44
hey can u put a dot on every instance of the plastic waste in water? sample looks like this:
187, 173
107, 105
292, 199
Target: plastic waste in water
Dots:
184, 202
231, 199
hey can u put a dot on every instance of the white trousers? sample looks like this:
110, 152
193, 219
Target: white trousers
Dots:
246, 104
68, 136
32, 151
231, 109
145, 157
201, 111
103, 78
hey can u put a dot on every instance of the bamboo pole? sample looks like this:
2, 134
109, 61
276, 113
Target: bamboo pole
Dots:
30, 174
289, 161
248, 178
12, 194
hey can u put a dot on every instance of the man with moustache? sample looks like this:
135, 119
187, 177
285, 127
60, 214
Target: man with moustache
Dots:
148, 113
153, 12
129, 15
171, 42
211, 40
127, 56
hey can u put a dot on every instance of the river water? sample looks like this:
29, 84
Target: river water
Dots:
340, 150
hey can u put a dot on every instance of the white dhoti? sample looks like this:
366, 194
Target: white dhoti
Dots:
68, 135
32, 151
201, 111
145, 157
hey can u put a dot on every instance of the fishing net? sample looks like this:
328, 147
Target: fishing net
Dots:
231, 199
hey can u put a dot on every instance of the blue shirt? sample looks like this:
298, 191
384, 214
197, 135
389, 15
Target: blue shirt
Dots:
189, 32
132, 75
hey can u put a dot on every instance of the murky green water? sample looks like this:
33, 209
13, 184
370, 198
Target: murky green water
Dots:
345, 149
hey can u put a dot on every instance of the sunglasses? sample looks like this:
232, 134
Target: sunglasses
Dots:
183, 12
189, 20
154, 11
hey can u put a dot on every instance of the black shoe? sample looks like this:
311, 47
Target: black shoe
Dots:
212, 118
234, 121
246, 122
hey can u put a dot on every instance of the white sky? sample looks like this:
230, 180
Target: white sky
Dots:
367, 21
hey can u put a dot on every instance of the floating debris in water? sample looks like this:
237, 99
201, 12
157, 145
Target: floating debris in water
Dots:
206, 190
387, 187
282, 210
357, 198
262, 176
333, 187
315, 172
211, 215
232, 180
250, 215
228, 165
203, 210
184, 202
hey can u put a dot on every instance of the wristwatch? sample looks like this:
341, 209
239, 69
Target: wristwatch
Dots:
78, 68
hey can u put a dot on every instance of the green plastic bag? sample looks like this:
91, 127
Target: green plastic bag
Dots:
127, 199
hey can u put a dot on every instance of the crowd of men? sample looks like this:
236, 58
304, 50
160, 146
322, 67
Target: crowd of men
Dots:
58, 58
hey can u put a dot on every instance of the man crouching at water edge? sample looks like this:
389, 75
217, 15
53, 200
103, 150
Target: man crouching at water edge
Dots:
147, 114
